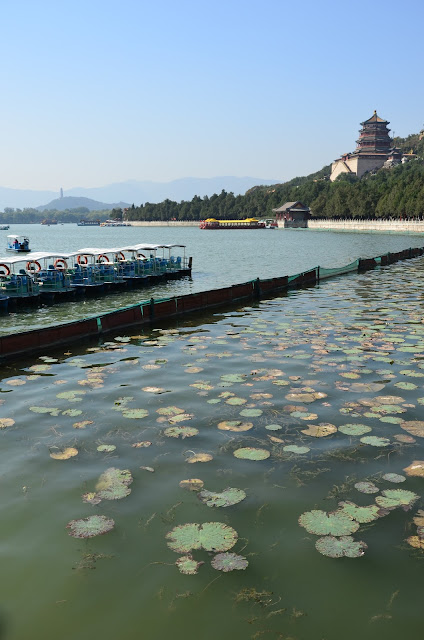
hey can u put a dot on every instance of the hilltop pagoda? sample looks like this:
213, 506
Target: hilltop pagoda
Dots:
374, 148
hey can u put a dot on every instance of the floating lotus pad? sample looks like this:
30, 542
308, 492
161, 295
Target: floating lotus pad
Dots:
273, 427
366, 487
229, 562
322, 523
414, 427
233, 377
90, 527
393, 498
306, 397
114, 484
6, 422
188, 565
72, 396
226, 498
361, 514
53, 411
82, 424
156, 390
394, 477
235, 425
251, 453
354, 429
251, 413
67, 453
181, 417
106, 448
320, 430
211, 536
183, 432
344, 546
199, 457
416, 541
416, 468
294, 448
72, 412
192, 484
375, 441
419, 518
402, 437
135, 413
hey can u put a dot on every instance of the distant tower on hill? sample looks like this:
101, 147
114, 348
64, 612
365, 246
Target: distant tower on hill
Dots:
374, 147
61, 192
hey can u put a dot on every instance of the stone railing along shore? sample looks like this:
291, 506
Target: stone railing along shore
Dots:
407, 226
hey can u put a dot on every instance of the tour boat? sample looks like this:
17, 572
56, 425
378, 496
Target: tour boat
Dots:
18, 244
271, 224
88, 223
248, 223
4, 227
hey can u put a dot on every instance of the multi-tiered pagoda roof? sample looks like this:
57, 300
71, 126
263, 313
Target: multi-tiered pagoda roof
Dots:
374, 137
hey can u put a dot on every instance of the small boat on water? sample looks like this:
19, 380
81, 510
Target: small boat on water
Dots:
115, 223
88, 223
248, 223
4, 227
18, 244
270, 223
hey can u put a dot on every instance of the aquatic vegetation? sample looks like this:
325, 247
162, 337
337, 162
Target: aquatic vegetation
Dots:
354, 429
90, 527
345, 546
235, 425
322, 523
199, 457
251, 453
183, 432
414, 427
229, 562
320, 430
136, 414
211, 536
396, 478
393, 498
6, 422
361, 514
294, 448
106, 448
226, 498
65, 454
192, 484
188, 565
114, 484
416, 468
375, 441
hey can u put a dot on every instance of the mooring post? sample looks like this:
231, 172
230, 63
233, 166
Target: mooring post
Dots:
152, 309
190, 262
257, 288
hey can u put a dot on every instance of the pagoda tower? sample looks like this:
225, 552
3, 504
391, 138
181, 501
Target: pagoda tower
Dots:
374, 136
374, 148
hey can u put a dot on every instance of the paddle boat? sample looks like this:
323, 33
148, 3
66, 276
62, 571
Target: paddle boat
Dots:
18, 244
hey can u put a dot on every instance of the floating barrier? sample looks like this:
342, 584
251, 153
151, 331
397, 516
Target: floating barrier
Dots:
154, 311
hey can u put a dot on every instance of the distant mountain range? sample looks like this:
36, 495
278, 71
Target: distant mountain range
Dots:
132, 191
73, 202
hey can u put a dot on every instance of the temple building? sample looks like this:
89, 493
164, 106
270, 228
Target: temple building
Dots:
374, 148
294, 214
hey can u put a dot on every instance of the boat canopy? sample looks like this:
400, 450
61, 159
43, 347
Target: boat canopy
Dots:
92, 251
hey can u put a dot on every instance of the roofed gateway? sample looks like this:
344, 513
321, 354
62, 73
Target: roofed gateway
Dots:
374, 148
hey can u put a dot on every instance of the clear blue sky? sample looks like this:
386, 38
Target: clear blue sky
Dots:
95, 92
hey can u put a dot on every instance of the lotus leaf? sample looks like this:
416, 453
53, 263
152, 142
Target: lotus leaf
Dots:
419, 518
233, 377
416, 468
359, 387
15, 382
211, 536
184, 432
416, 541
389, 399
134, 413
6, 422
251, 413
294, 448
394, 477
375, 441
235, 425
366, 487
90, 527
188, 565
114, 484
322, 523
154, 390
273, 427
91, 498
72, 412
250, 453
82, 424
391, 419
106, 448
228, 562
226, 498
402, 437
360, 514
67, 453
320, 430
51, 410
407, 386
192, 484
393, 498
236, 401
414, 427
143, 444
354, 429
72, 396
180, 417
199, 457
345, 546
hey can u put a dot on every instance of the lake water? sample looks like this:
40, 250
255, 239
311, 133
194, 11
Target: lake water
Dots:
219, 259
346, 357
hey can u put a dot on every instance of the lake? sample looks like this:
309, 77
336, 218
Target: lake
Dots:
219, 260
294, 426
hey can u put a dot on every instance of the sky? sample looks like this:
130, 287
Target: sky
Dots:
101, 91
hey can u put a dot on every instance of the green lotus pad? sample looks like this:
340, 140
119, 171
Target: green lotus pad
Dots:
374, 441
354, 429
250, 453
169, 411
233, 377
90, 527
393, 498
322, 523
228, 562
183, 432
134, 413
226, 498
361, 514
294, 448
211, 536
320, 430
51, 410
188, 565
251, 413
106, 448
414, 427
394, 477
345, 546
273, 427
114, 484
72, 396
